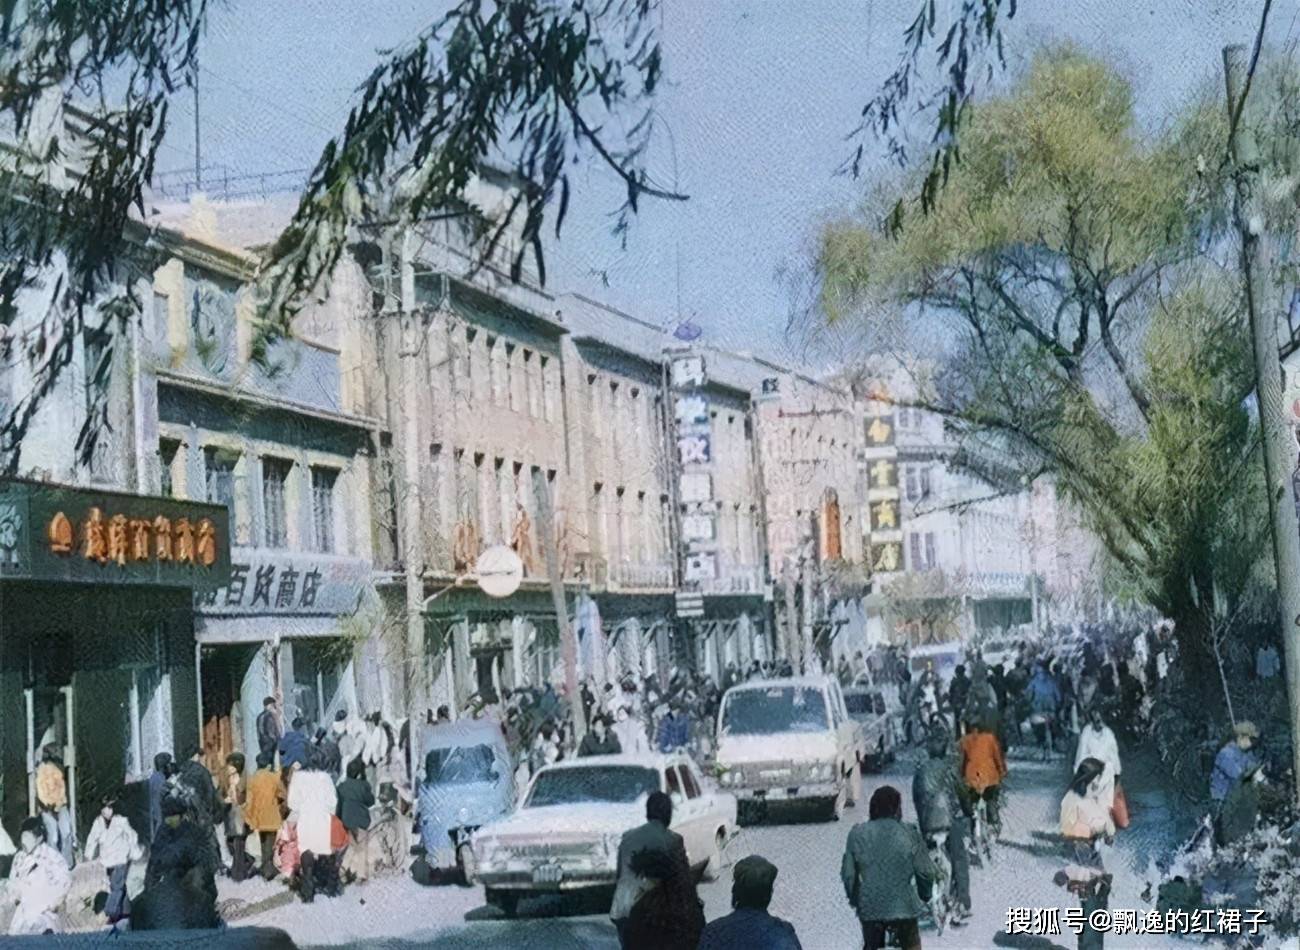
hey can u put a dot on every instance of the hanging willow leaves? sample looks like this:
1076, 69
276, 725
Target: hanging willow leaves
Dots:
534, 81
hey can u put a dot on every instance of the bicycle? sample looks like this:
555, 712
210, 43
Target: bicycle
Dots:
942, 903
984, 833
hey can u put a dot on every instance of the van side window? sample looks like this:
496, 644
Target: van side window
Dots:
688, 781
674, 784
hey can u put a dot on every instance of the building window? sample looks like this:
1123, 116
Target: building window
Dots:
512, 378
496, 357
167, 451
921, 551
550, 389
219, 466
917, 481
275, 512
595, 409
322, 508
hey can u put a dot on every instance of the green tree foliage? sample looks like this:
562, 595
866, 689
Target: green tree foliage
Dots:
64, 243
1074, 267
534, 84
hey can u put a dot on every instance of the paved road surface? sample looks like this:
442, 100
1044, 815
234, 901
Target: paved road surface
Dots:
399, 914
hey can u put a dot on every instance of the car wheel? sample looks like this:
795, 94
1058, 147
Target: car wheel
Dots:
503, 901
466, 864
713, 867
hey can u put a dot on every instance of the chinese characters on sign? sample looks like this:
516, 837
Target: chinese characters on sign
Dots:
886, 557
695, 454
266, 582
880, 430
884, 515
1048, 921
120, 539
284, 593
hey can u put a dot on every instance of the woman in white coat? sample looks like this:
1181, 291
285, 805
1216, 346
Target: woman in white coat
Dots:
1097, 741
39, 881
312, 804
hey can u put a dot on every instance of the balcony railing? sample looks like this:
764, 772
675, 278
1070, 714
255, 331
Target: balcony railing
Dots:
640, 576
736, 580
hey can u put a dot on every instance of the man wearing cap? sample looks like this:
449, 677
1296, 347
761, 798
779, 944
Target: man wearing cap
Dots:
749, 925
1234, 760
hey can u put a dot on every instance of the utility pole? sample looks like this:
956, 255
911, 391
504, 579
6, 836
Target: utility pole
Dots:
568, 641
1279, 457
410, 346
198, 151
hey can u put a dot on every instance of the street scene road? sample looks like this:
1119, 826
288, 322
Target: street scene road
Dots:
650, 473
808, 891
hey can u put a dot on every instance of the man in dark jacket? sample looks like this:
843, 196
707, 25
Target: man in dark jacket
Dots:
599, 741
268, 727
293, 748
195, 784
958, 690
331, 758
882, 859
654, 835
938, 812
180, 888
162, 771
749, 926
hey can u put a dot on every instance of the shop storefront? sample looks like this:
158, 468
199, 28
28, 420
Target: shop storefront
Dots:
282, 627
96, 635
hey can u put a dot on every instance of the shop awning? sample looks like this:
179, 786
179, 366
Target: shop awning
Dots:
216, 631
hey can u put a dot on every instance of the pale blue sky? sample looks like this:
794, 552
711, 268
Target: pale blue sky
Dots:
758, 98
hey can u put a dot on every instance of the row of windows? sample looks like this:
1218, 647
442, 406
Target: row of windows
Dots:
220, 488
921, 553
512, 377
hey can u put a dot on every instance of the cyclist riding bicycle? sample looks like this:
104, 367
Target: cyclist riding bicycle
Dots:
935, 791
983, 767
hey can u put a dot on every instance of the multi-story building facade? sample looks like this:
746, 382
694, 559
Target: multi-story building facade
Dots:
284, 445
99, 566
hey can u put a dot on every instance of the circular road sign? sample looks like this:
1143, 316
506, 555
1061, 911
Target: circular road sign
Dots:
499, 571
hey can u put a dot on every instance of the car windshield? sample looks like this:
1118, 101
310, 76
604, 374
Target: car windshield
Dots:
460, 765
765, 712
617, 784
858, 704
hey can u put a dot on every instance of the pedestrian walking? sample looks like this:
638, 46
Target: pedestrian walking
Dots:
236, 829
630, 732
631, 884
180, 887
749, 926
268, 727
670, 915
354, 802
113, 842
349, 732
196, 784
263, 811
39, 881
887, 873
1044, 702
312, 806
163, 770
52, 800
376, 750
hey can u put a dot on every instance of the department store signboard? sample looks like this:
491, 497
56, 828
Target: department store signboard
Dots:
59, 533
267, 581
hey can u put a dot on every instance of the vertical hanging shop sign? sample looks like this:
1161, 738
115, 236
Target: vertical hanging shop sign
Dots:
695, 478
884, 513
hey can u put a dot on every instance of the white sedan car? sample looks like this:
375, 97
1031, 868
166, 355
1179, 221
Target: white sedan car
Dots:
565, 835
